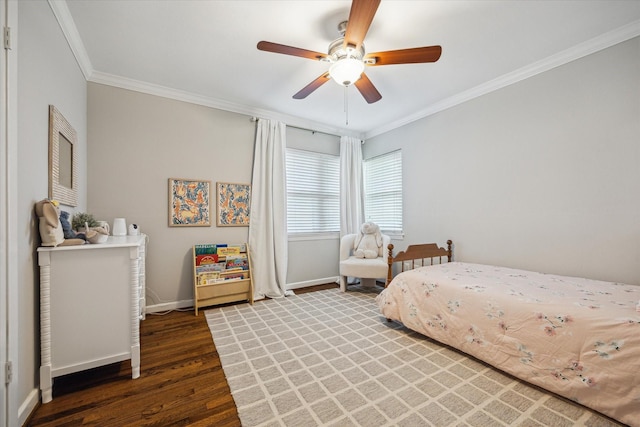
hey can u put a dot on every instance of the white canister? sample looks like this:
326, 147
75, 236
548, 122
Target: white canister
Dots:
119, 227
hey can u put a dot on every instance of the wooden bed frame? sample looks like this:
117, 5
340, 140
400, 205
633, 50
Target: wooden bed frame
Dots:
417, 252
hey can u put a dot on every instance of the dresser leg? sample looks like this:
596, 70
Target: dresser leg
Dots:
46, 385
135, 361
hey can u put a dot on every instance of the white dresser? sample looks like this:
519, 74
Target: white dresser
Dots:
92, 298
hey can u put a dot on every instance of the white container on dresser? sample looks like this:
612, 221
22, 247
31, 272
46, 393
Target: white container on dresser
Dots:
92, 298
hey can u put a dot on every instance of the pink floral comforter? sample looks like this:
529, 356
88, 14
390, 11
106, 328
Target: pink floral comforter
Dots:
575, 337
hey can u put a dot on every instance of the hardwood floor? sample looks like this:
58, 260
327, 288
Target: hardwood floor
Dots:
181, 382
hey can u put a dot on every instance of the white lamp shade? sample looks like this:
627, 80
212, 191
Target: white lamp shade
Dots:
346, 71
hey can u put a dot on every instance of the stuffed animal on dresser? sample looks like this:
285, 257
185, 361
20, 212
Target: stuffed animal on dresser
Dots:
51, 232
368, 243
67, 230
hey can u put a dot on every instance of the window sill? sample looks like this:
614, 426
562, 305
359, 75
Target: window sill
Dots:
300, 237
395, 236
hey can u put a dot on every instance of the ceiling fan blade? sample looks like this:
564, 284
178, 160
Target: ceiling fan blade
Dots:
360, 18
308, 89
367, 89
289, 50
405, 56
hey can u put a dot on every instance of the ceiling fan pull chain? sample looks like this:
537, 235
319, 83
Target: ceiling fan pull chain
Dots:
346, 106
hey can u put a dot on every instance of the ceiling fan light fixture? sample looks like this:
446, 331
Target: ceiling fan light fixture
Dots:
347, 54
346, 71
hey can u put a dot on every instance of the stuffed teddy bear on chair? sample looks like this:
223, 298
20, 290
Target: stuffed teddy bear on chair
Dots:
368, 244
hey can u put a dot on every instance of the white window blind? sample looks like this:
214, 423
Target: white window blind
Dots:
383, 191
313, 192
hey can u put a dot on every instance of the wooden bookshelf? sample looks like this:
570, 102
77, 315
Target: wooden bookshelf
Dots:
221, 274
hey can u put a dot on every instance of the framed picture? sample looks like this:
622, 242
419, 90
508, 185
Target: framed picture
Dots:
189, 203
63, 160
233, 204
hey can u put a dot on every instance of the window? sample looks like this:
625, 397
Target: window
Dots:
313, 192
383, 191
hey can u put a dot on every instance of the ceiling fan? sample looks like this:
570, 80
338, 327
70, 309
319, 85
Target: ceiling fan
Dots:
347, 55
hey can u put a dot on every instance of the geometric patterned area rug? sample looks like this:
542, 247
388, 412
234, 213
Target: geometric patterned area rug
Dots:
329, 358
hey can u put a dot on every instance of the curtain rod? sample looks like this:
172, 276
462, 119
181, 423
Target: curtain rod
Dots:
255, 119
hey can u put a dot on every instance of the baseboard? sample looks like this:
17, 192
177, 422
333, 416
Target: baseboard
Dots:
28, 406
168, 306
188, 303
307, 283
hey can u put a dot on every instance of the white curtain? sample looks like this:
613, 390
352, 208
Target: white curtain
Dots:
268, 242
351, 186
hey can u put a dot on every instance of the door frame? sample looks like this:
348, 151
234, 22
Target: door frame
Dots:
8, 219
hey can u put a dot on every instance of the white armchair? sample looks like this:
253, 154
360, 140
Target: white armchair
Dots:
367, 269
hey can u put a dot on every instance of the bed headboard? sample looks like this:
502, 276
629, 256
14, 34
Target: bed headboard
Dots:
418, 252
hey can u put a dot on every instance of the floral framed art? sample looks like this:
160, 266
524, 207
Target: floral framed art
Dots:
233, 204
189, 203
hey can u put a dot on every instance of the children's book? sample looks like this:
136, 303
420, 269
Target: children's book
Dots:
242, 247
208, 278
206, 259
229, 251
218, 266
206, 248
234, 275
239, 262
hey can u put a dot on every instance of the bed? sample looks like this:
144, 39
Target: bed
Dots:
578, 338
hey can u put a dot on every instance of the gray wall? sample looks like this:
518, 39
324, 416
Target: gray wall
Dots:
541, 175
138, 141
47, 74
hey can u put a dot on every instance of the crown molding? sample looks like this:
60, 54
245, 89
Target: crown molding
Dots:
65, 20
70, 31
179, 95
581, 50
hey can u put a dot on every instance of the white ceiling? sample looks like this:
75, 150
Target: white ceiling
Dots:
205, 51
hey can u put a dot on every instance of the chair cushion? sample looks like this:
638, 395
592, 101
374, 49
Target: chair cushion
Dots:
366, 268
